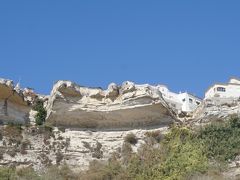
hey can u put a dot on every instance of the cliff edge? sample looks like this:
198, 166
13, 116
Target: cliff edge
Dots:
126, 106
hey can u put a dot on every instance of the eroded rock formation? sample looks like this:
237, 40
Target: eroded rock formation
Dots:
128, 106
13, 107
215, 109
102, 118
40, 148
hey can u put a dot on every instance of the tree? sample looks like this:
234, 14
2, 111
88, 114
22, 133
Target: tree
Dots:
41, 112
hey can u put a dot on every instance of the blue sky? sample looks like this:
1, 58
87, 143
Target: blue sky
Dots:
187, 45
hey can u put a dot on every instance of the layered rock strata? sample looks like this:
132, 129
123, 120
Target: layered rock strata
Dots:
13, 106
127, 106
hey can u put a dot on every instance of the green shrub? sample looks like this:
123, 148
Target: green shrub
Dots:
222, 140
156, 135
178, 156
27, 173
181, 155
59, 173
7, 173
62, 172
111, 170
41, 112
131, 138
182, 160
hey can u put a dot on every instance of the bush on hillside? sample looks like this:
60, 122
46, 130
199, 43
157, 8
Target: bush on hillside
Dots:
156, 135
131, 138
27, 173
222, 140
41, 112
178, 156
181, 154
7, 173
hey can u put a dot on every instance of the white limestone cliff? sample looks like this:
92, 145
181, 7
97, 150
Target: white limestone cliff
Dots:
13, 106
95, 116
40, 148
125, 107
214, 109
90, 116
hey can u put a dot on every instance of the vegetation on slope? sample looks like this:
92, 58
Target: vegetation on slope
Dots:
180, 154
41, 112
221, 140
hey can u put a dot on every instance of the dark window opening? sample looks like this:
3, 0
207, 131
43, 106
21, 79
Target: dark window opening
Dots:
221, 89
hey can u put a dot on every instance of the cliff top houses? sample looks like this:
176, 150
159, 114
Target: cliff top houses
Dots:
230, 90
182, 101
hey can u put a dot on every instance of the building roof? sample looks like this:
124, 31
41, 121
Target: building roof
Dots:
193, 95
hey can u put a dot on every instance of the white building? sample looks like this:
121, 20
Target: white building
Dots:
228, 90
183, 101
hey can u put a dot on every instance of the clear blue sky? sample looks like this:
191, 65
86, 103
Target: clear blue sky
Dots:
187, 45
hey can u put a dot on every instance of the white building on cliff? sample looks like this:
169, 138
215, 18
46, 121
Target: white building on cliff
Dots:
183, 101
227, 90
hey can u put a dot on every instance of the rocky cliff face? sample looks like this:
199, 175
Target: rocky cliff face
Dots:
95, 122
214, 109
124, 107
13, 106
40, 147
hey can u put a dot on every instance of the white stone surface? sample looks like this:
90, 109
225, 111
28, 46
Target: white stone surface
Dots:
127, 106
75, 154
214, 109
13, 106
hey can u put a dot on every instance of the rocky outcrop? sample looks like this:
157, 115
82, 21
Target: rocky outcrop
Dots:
93, 122
13, 106
128, 106
214, 109
39, 147
108, 115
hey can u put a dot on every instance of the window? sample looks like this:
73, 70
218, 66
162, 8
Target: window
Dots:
197, 102
184, 100
190, 100
221, 89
